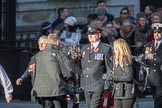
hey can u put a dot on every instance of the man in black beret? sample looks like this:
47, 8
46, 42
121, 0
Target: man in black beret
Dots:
153, 58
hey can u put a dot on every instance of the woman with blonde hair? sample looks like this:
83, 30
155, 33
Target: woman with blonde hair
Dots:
122, 76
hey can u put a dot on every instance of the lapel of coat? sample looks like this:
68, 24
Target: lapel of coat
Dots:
159, 47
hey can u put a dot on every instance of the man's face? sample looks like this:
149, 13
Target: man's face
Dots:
101, 6
147, 10
124, 14
94, 37
65, 13
101, 17
42, 43
157, 35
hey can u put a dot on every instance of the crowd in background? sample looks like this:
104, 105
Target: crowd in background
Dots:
135, 30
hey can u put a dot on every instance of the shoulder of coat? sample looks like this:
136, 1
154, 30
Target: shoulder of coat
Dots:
107, 45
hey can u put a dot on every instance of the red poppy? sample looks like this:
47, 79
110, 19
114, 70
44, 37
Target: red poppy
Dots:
96, 50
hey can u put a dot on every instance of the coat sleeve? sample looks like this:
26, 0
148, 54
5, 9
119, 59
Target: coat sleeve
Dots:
26, 73
73, 40
66, 66
6, 83
108, 59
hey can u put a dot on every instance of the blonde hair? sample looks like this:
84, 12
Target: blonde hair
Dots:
123, 56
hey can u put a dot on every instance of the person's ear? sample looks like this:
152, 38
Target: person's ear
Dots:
99, 34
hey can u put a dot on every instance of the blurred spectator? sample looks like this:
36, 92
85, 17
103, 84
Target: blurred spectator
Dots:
124, 14
101, 16
69, 36
117, 25
101, 4
160, 11
63, 13
90, 18
45, 28
149, 9
109, 34
155, 18
127, 33
131, 11
139, 14
141, 33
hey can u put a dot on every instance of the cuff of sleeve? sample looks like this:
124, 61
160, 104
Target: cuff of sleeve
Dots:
8, 95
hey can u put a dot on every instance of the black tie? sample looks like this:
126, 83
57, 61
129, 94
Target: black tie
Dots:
156, 45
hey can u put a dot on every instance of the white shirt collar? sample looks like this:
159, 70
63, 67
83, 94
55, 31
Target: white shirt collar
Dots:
157, 42
95, 45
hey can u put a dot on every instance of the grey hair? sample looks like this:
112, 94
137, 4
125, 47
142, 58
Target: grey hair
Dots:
42, 37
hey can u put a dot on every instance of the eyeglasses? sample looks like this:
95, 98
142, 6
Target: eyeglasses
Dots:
158, 31
124, 13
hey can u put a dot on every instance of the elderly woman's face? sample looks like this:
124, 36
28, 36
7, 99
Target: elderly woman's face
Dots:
142, 21
155, 19
127, 28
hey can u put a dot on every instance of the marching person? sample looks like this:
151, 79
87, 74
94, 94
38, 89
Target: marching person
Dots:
41, 43
53, 70
95, 61
30, 71
6, 84
122, 76
153, 58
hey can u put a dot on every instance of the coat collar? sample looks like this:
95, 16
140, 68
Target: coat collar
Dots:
52, 46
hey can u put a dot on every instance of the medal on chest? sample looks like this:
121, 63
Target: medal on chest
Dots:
99, 56
148, 53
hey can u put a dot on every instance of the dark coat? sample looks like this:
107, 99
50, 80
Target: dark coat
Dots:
129, 38
28, 74
94, 65
123, 86
141, 35
155, 65
56, 23
53, 69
